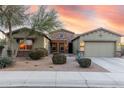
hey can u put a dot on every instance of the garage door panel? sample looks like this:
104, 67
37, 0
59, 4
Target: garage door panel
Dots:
99, 49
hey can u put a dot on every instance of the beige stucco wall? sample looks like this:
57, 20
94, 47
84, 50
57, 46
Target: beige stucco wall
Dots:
42, 42
47, 44
75, 45
39, 42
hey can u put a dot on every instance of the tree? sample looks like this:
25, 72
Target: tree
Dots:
10, 16
45, 20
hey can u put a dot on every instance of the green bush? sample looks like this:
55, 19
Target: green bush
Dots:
35, 54
5, 62
1, 46
59, 58
9, 52
43, 51
84, 62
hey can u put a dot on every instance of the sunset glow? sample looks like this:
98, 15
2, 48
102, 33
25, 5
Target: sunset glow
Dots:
83, 18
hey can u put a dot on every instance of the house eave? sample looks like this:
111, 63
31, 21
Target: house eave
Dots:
61, 30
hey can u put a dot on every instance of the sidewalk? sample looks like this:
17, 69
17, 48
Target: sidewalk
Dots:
60, 79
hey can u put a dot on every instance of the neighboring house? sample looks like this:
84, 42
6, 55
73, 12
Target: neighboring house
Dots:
98, 43
24, 42
61, 41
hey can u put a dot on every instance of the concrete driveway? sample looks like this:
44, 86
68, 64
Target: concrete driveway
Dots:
111, 64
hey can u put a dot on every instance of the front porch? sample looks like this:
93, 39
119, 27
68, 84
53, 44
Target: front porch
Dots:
60, 46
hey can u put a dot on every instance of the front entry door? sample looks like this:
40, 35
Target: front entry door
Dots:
61, 47
70, 48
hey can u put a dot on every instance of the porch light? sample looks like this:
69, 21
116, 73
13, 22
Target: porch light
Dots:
120, 44
122, 41
82, 44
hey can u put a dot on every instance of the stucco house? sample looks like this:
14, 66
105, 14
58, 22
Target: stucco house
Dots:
99, 42
25, 40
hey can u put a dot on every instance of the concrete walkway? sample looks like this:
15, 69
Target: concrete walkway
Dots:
60, 79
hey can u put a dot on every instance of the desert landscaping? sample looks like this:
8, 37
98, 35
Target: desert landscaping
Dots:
45, 64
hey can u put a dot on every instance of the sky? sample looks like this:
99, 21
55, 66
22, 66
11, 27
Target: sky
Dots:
83, 18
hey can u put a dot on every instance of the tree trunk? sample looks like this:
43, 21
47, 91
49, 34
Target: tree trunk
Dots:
10, 37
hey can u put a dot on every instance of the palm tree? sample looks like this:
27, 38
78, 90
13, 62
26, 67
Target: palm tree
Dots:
45, 20
10, 16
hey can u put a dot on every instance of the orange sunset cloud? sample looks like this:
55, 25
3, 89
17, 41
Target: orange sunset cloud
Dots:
82, 18
33, 8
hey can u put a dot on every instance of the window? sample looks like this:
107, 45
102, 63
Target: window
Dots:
29, 44
21, 44
25, 44
61, 35
82, 46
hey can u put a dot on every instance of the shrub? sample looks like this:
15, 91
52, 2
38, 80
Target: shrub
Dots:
43, 51
35, 54
84, 62
5, 61
59, 58
9, 52
1, 47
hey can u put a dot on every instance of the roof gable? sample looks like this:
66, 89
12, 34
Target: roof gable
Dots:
27, 29
62, 30
101, 29
98, 30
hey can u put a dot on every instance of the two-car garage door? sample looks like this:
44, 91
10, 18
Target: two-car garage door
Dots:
99, 49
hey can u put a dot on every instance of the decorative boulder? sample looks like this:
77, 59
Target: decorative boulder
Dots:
58, 58
84, 62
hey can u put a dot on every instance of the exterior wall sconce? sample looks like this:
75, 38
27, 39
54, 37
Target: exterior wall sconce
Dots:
82, 44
